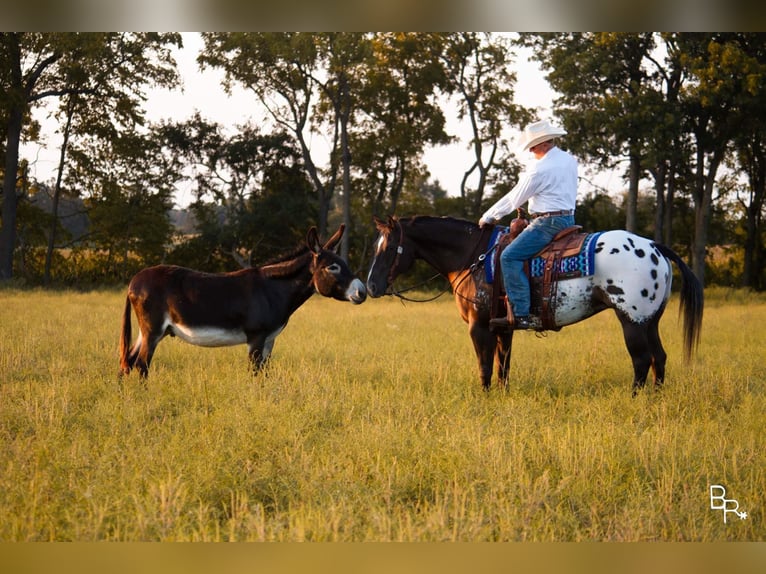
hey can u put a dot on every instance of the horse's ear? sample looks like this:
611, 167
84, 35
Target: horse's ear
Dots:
332, 243
383, 225
312, 240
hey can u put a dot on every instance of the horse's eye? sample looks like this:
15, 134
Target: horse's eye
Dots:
334, 268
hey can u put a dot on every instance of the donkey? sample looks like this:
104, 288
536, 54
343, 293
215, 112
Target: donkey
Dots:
220, 309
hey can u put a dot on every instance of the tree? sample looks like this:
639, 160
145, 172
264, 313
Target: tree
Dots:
603, 82
285, 72
40, 66
252, 194
749, 158
128, 184
725, 80
398, 115
370, 96
478, 71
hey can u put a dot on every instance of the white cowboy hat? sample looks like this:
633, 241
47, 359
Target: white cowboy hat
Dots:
537, 133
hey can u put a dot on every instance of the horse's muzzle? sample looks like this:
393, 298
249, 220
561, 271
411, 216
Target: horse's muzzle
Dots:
373, 290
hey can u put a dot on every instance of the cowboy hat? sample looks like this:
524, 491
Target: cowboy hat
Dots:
538, 133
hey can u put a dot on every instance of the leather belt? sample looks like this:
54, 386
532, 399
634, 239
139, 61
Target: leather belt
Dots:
552, 213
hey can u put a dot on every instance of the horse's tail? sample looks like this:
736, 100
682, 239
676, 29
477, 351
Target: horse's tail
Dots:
692, 300
125, 336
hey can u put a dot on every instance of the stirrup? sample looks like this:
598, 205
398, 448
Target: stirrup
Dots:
500, 323
522, 324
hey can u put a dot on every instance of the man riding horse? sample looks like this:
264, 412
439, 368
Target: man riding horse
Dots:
550, 186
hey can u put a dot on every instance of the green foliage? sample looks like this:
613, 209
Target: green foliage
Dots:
678, 106
99, 78
369, 425
252, 194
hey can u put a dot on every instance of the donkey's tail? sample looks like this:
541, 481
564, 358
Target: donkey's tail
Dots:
125, 336
692, 301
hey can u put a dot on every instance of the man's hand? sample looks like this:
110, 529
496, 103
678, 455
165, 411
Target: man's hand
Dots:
483, 223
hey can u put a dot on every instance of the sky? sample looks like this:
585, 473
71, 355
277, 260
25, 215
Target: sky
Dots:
202, 91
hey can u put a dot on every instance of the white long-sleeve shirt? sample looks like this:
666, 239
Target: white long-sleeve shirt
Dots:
549, 185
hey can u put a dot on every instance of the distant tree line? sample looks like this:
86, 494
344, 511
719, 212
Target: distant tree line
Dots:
681, 115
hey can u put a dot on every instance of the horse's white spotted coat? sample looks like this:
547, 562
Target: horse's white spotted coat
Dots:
629, 270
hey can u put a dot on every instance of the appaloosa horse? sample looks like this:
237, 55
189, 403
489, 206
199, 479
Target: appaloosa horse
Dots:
247, 306
631, 275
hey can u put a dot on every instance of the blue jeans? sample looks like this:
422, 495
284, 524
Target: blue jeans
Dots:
536, 236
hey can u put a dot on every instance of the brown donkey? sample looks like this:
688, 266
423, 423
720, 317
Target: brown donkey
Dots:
247, 306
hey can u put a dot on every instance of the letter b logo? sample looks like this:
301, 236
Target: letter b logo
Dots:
718, 501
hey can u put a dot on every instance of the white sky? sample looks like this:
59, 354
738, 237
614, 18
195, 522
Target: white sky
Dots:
203, 91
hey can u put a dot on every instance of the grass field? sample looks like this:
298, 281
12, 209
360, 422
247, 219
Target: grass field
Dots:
370, 424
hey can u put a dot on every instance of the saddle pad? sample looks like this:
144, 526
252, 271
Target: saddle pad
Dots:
580, 265
489, 261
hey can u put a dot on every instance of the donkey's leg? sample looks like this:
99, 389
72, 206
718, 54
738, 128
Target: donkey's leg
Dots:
153, 330
484, 346
133, 353
256, 350
659, 357
637, 341
146, 352
503, 356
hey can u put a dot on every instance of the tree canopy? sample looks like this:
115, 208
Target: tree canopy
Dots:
345, 119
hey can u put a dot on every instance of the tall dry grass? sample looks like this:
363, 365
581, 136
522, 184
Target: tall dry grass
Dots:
370, 424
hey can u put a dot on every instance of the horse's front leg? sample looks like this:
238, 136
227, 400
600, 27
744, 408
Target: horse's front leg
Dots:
484, 346
503, 356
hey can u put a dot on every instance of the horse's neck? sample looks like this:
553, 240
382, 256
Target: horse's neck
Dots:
448, 248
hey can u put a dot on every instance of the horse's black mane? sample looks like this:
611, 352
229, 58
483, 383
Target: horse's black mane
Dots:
436, 218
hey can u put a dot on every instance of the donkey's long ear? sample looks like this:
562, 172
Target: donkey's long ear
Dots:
332, 243
312, 240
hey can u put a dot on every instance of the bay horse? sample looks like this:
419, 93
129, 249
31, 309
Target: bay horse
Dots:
249, 306
632, 275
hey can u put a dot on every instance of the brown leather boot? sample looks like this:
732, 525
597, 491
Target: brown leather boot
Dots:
503, 322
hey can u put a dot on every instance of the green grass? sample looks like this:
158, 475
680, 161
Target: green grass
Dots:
370, 424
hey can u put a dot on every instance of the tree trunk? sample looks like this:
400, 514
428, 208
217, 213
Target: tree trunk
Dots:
667, 228
345, 114
702, 207
751, 276
10, 200
748, 271
631, 202
659, 214
57, 195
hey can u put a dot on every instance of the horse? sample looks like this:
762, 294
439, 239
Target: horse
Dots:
250, 306
632, 275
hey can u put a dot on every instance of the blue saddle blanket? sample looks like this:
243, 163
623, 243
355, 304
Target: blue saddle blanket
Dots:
581, 265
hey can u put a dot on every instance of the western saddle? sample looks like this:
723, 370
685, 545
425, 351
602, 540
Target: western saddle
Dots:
568, 242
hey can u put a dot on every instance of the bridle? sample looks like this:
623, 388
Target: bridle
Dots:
469, 270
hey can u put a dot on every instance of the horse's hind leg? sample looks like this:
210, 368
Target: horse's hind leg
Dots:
637, 341
659, 357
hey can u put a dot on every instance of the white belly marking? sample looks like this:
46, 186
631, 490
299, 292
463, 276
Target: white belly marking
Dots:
209, 336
